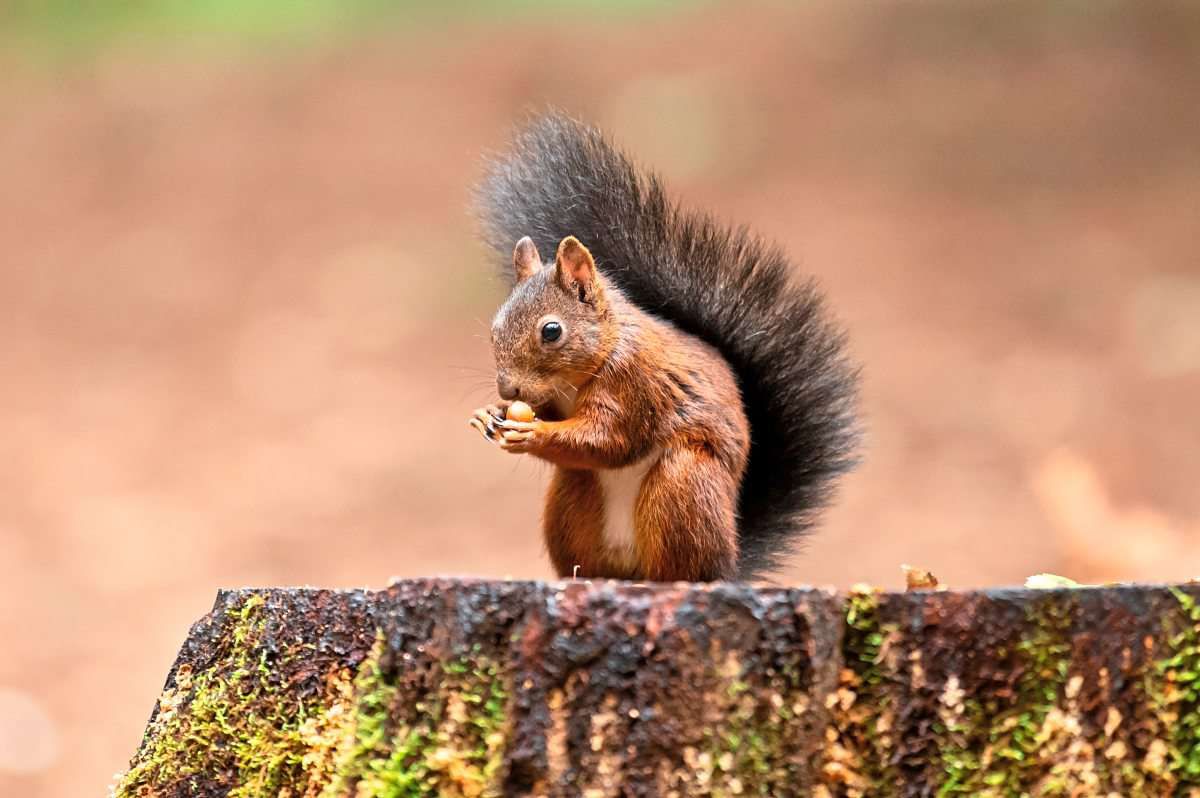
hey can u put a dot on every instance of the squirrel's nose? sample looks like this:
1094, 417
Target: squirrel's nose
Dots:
507, 388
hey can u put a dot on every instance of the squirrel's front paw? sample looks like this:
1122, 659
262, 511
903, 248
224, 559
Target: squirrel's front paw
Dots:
486, 420
519, 437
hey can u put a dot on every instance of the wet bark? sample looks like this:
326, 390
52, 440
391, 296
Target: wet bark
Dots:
445, 687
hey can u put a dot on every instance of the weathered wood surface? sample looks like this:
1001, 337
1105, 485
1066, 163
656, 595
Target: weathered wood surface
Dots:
448, 687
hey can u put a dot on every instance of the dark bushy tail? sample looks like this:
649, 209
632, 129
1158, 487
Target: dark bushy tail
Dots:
725, 286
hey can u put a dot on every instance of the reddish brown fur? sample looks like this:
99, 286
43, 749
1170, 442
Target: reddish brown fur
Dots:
633, 384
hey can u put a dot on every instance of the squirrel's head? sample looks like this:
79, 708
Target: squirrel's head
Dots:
550, 336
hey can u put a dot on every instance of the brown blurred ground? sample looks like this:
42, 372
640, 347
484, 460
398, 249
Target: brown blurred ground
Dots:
242, 313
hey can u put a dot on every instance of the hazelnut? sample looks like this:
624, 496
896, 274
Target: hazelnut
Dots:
519, 411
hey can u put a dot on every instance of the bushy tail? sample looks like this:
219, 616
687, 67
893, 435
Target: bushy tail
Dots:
725, 286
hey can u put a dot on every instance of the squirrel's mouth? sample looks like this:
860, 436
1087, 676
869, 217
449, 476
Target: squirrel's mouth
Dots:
550, 401
548, 406
546, 411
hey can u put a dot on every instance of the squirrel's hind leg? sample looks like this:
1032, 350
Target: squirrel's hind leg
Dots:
687, 519
573, 526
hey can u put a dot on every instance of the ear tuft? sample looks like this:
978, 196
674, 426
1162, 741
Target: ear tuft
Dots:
526, 260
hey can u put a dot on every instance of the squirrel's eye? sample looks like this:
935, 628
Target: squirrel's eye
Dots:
551, 331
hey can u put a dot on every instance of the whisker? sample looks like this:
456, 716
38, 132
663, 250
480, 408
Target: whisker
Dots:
478, 374
475, 385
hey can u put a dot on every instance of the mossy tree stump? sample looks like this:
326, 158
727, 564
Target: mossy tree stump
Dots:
469, 688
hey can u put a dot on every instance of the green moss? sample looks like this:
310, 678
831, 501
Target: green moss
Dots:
1174, 689
996, 743
750, 744
453, 745
241, 727
356, 758
236, 726
961, 762
1037, 744
232, 723
745, 750
860, 745
1046, 661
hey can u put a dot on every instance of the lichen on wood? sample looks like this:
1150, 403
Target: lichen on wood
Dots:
474, 688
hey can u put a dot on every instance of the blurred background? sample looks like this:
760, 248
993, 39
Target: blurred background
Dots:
243, 315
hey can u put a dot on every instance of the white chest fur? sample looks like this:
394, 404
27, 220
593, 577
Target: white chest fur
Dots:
621, 488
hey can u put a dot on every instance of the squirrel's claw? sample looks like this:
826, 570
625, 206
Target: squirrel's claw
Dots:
513, 436
497, 412
477, 424
485, 420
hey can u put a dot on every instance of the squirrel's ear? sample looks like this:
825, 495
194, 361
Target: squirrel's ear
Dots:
574, 267
526, 260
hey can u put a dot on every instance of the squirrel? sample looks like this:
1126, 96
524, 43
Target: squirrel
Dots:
694, 397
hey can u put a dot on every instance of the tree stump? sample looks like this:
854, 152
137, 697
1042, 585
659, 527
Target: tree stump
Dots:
477, 688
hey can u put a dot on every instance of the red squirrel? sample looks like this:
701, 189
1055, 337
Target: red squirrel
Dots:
695, 399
